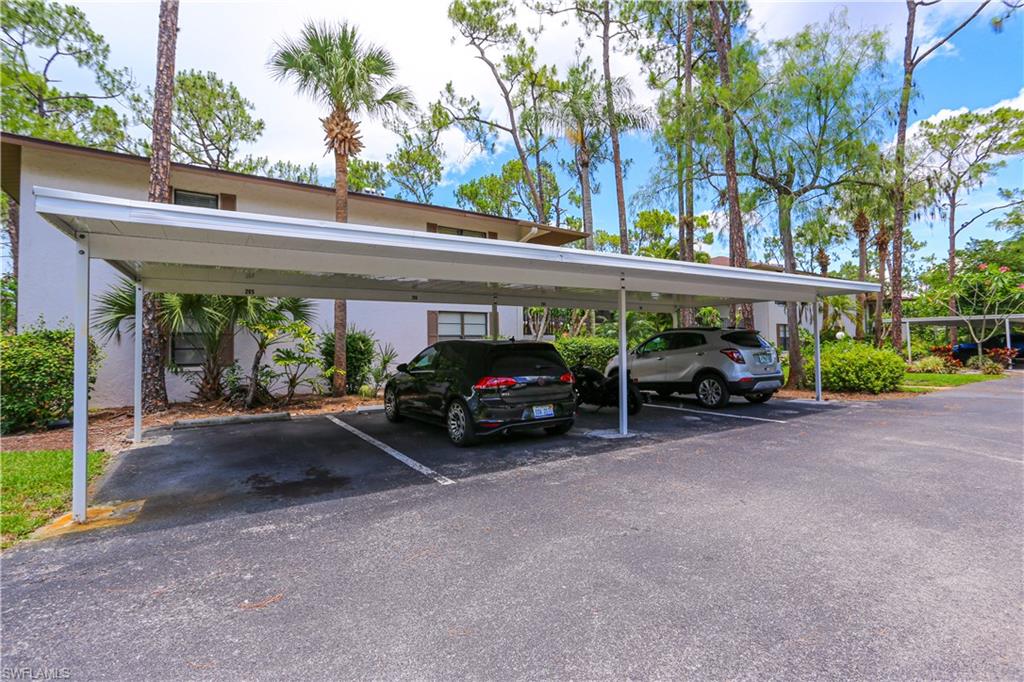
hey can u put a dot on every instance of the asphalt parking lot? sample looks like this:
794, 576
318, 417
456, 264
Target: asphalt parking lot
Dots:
787, 539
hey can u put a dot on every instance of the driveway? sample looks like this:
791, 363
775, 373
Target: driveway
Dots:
865, 541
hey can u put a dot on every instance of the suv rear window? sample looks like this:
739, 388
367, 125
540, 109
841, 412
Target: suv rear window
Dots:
745, 339
528, 361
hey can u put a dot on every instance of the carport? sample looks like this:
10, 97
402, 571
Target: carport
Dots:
166, 247
953, 322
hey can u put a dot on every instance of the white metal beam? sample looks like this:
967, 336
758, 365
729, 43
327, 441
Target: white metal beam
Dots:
623, 363
80, 428
817, 351
140, 293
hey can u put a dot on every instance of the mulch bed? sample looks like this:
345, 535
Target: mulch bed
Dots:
839, 397
110, 429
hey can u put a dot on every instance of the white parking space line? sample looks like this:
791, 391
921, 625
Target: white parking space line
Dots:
717, 414
407, 461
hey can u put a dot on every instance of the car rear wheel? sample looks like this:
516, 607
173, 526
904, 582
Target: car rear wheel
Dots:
558, 429
391, 405
712, 391
758, 397
461, 429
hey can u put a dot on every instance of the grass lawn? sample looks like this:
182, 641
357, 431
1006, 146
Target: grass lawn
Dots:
35, 486
939, 380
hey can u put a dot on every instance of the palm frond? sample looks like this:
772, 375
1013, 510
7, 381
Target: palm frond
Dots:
112, 308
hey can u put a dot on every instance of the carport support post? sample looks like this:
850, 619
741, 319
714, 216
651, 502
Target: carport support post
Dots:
80, 429
817, 351
623, 362
137, 376
1008, 344
906, 333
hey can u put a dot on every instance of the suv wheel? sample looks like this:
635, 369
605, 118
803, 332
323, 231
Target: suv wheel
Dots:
461, 429
758, 397
391, 405
712, 391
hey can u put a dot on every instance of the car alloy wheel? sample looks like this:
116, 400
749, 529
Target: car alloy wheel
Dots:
709, 391
457, 422
390, 404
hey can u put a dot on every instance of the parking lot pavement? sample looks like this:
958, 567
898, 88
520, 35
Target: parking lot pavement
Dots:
867, 542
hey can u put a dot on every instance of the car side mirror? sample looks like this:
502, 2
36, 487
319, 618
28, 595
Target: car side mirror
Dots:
402, 368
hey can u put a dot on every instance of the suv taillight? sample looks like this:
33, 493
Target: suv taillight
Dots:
495, 382
733, 355
567, 378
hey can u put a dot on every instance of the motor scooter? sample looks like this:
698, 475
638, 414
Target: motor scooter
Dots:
594, 388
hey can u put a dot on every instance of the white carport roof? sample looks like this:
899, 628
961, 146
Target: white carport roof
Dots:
165, 247
195, 250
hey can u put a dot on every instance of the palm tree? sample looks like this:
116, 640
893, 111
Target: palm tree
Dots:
211, 317
154, 385
577, 115
268, 321
332, 65
862, 228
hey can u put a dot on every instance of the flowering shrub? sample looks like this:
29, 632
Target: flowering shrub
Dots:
946, 353
1003, 356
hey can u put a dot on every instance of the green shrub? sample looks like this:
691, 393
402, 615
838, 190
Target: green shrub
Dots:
595, 351
367, 391
931, 364
992, 368
37, 377
359, 352
849, 366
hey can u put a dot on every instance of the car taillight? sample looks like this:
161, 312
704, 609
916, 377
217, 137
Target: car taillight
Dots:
567, 378
734, 355
495, 382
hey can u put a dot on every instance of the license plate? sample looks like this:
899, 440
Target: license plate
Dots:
541, 411
763, 358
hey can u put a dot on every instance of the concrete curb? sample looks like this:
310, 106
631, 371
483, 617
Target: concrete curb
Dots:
231, 419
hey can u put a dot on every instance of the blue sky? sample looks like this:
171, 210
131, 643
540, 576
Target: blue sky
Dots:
980, 69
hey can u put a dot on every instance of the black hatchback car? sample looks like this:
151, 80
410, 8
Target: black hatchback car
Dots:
479, 388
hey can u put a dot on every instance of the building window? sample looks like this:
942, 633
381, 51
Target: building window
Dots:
782, 336
460, 232
452, 325
187, 347
199, 199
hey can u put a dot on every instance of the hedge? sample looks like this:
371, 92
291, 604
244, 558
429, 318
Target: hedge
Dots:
849, 366
595, 351
37, 377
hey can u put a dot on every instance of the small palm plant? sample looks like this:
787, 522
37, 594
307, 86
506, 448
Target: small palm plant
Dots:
332, 65
211, 317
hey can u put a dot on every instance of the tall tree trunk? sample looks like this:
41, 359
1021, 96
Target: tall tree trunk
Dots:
899, 191
587, 200
688, 316
951, 259
340, 378
883, 258
862, 276
722, 29
796, 361
154, 338
613, 125
13, 230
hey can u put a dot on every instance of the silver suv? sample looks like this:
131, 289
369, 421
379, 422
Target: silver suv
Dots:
711, 363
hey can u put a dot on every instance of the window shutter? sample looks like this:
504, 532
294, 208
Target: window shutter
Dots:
431, 227
228, 202
431, 327
492, 235
227, 348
